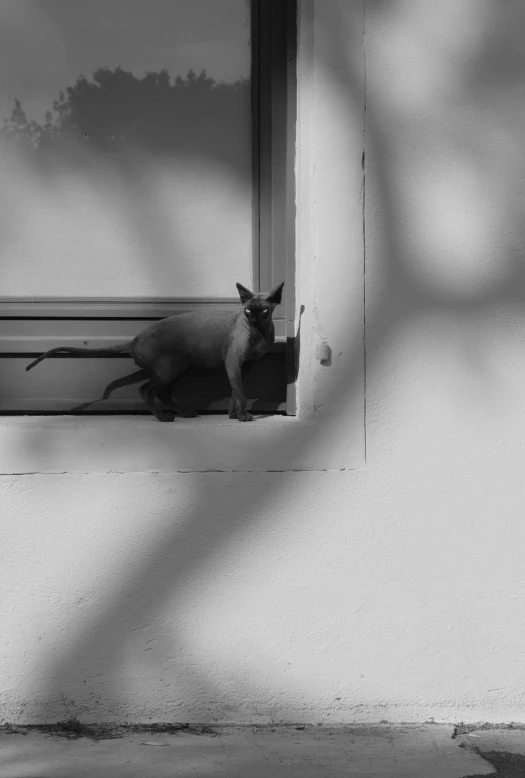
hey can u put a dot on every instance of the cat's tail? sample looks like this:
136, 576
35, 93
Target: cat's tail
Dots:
123, 348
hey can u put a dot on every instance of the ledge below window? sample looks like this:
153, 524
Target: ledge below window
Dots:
124, 444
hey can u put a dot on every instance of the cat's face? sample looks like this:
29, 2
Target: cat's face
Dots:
258, 308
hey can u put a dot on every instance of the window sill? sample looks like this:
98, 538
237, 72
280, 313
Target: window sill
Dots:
126, 444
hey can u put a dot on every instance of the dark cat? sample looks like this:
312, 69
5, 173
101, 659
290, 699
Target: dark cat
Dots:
209, 338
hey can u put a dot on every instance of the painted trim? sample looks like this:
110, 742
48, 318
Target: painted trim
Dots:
131, 444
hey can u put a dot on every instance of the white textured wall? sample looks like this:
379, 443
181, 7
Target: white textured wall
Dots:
391, 592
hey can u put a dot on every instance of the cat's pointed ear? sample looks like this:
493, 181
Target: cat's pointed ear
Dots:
244, 293
276, 294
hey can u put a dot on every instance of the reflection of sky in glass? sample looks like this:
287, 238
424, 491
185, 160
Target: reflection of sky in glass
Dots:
168, 211
46, 44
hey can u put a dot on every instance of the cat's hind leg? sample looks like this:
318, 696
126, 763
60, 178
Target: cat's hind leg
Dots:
166, 396
232, 412
139, 375
168, 370
148, 392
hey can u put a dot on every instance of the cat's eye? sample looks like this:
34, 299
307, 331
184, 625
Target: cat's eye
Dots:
265, 310
247, 310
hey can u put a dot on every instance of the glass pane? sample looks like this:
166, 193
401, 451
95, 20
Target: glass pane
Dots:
125, 149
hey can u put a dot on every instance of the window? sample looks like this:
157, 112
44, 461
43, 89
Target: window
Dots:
147, 156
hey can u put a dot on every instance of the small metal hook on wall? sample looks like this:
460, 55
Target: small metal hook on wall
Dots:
323, 352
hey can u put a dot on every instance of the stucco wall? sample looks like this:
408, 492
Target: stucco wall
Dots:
393, 591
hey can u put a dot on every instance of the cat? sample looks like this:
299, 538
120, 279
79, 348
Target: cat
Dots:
203, 339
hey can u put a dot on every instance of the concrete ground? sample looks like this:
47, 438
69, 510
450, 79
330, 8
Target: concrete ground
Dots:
404, 751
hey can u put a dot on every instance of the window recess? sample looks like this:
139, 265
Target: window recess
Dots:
150, 188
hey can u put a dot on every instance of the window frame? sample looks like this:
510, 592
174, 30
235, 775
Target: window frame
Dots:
329, 235
273, 111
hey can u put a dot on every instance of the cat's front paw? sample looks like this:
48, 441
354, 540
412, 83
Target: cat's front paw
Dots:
233, 414
166, 416
245, 416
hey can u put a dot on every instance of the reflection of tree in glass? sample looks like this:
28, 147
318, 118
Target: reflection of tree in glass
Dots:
116, 109
18, 128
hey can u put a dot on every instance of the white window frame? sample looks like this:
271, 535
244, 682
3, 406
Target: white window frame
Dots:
328, 432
